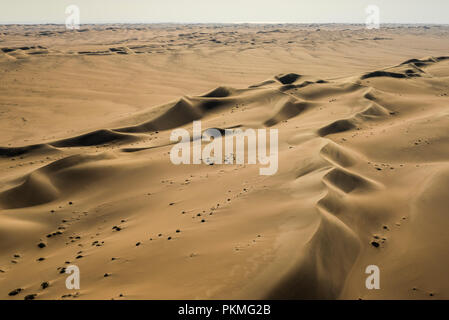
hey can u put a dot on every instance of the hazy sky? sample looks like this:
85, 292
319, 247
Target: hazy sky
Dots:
299, 11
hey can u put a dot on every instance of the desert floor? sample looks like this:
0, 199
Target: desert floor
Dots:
363, 178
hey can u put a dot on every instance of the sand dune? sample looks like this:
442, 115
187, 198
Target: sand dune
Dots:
86, 177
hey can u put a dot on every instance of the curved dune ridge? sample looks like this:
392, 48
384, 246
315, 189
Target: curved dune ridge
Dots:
52, 181
361, 160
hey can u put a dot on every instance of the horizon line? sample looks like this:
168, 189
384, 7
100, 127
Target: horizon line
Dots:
228, 23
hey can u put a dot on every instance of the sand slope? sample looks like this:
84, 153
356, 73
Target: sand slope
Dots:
363, 179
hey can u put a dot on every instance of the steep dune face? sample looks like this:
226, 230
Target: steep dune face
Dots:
362, 180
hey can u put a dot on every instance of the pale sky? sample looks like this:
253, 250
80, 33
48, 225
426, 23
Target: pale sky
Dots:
224, 11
